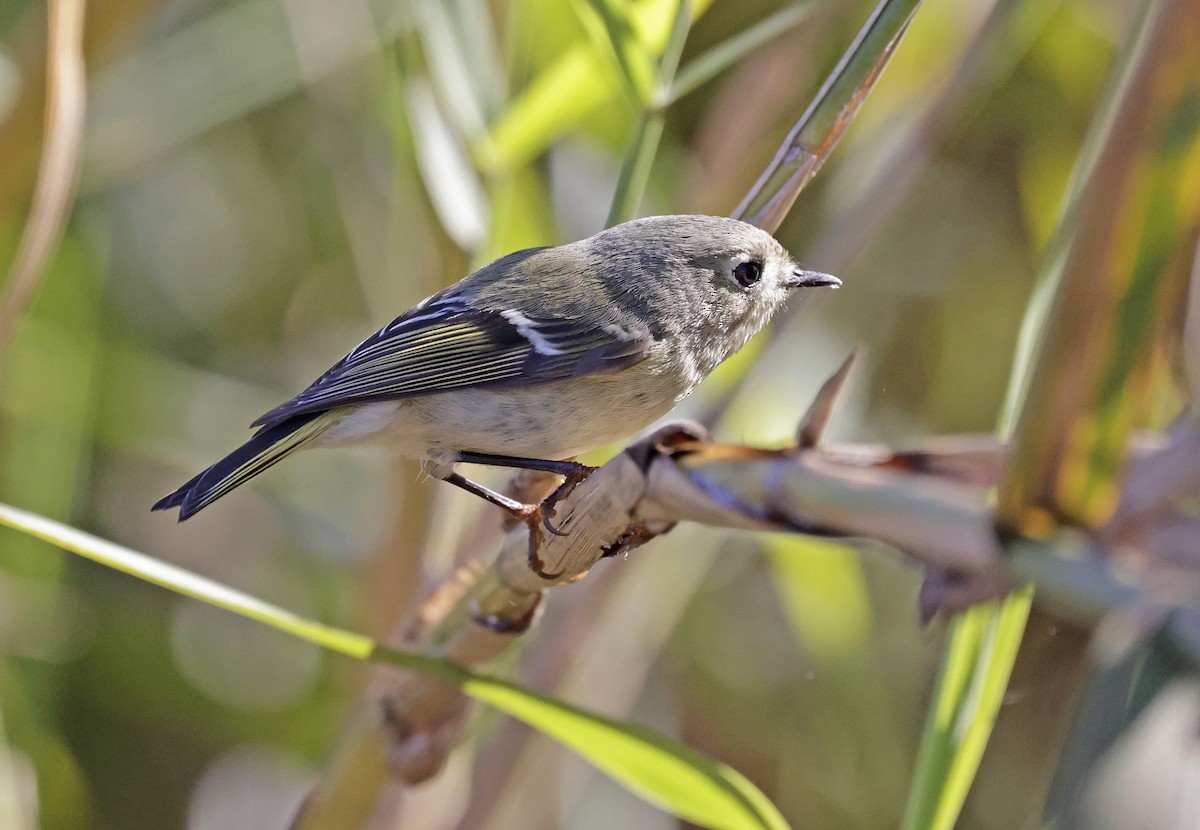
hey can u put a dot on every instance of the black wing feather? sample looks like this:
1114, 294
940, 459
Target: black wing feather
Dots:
446, 343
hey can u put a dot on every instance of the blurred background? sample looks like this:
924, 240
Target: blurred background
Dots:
265, 182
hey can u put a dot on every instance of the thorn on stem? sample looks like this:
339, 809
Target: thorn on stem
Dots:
812, 426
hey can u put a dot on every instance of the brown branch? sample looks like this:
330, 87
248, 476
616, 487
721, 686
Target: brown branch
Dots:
58, 172
931, 503
813, 137
676, 475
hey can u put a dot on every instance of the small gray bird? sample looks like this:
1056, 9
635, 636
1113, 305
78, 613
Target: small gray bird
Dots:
535, 358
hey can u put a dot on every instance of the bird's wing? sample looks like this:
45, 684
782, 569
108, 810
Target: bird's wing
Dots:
446, 343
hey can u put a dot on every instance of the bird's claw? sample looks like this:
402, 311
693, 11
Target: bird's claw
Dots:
570, 482
548, 512
539, 515
533, 517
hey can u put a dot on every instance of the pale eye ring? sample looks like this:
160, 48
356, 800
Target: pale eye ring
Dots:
747, 273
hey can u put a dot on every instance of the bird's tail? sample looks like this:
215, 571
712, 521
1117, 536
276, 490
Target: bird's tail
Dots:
267, 447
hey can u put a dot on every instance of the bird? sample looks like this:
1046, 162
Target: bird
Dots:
535, 358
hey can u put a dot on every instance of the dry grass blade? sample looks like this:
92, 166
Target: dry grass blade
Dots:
1191, 337
814, 136
58, 172
1118, 269
1124, 274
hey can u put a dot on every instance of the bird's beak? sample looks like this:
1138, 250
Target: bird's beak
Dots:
810, 279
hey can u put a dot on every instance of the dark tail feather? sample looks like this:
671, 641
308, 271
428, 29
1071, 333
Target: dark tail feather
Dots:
176, 498
266, 448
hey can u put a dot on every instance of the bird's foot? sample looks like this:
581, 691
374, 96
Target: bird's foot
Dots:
571, 480
532, 516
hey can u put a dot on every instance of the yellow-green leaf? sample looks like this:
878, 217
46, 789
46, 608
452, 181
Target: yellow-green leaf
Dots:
664, 772
562, 95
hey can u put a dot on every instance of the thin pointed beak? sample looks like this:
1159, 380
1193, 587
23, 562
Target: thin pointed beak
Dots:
811, 279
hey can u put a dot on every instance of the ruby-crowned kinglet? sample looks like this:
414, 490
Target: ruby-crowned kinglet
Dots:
539, 356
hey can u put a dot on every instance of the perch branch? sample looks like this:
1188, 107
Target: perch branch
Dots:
931, 503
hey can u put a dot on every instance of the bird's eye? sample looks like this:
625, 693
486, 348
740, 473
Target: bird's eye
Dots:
747, 273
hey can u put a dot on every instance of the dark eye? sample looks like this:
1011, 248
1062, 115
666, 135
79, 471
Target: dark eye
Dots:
747, 273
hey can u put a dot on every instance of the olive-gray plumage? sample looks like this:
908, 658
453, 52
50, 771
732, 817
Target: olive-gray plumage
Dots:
544, 353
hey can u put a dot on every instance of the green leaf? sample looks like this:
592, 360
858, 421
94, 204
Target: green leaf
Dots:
635, 170
612, 33
521, 214
716, 60
566, 92
454, 189
639, 158
979, 658
664, 772
166, 575
458, 41
824, 594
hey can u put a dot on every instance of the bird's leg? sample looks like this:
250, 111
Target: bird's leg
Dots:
573, 474
529, 514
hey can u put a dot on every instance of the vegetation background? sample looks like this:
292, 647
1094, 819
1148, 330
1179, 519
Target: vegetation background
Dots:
264, 183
